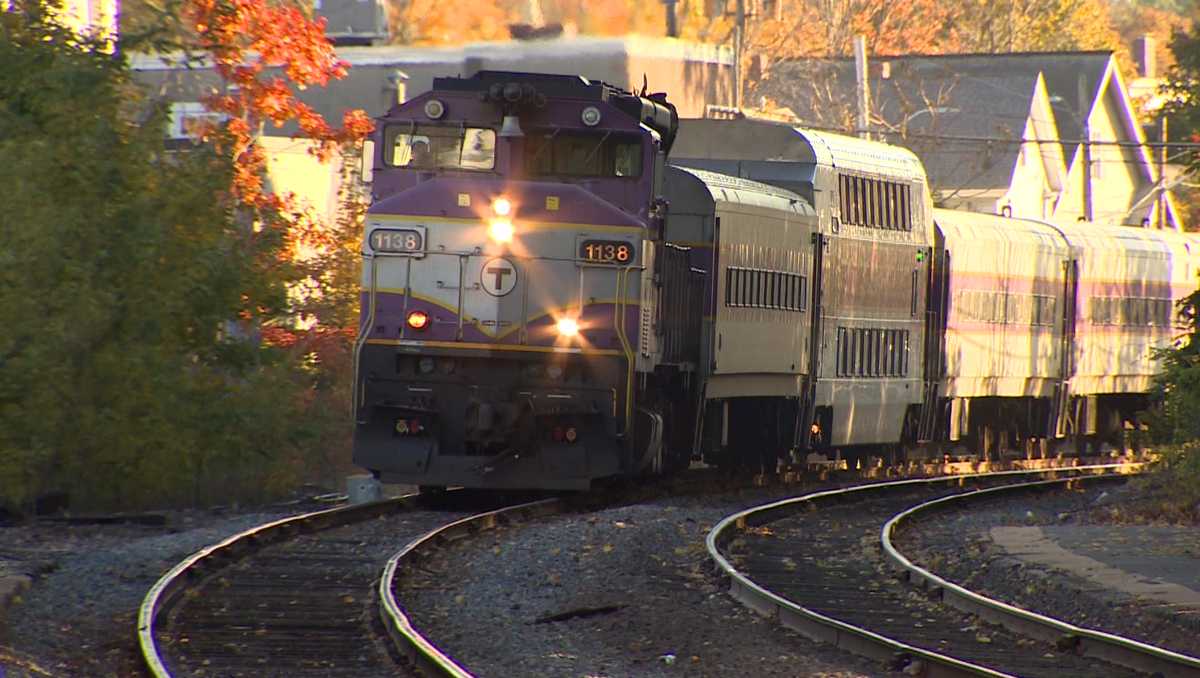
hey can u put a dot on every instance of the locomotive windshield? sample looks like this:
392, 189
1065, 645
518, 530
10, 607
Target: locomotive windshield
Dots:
440, 147
583, 154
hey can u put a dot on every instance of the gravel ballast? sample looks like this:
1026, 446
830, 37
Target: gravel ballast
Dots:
957, 545
79, 617
625, 591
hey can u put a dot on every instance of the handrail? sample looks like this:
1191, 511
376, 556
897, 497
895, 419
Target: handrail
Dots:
358, 393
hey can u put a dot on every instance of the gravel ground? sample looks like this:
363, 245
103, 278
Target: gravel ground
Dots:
80, 616
624, 591
957, 546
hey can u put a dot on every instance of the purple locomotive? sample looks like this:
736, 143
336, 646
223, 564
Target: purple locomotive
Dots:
511, 251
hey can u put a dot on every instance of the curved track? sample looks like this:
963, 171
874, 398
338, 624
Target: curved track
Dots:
1083, 641
294, 597
814, 562
423, 653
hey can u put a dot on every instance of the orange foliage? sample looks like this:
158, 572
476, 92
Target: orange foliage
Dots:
433, 22
1133, 21
245, 37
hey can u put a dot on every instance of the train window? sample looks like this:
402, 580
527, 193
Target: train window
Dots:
872, 353
856, 207
897, 348
857, 348
844, 197
906, 206
864, 202
881, 353
894, 205
886, 353
897, 353
872, 206
583, 154
889, 204
440, 147
881, 190
1162, 312
1134, 312
844, 351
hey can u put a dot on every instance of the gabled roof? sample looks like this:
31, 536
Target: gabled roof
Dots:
973, 97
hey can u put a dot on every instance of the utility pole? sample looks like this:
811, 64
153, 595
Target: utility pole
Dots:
1162, 172
739, 36
1087, 172
672, 22
862, 86
1085, 126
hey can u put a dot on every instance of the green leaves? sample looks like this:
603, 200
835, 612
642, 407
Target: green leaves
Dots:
128, 373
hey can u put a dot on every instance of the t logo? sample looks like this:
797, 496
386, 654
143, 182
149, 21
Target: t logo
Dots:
498, 276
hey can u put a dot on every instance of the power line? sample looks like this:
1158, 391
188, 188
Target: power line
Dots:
1009, 140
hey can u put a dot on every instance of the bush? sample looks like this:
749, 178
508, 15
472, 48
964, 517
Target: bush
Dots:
131, 370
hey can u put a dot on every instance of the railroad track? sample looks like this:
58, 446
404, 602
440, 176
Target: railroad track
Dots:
307, 595
816, 563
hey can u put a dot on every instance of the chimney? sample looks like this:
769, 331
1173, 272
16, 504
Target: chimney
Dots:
1143, 54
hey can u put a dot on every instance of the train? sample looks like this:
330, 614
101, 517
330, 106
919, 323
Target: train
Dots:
564, 282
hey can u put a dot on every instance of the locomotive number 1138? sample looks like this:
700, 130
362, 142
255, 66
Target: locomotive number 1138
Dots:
398, 240
606, 251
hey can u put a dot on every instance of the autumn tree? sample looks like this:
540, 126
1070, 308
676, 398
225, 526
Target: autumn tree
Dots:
142, 281
1033, 26
120, 267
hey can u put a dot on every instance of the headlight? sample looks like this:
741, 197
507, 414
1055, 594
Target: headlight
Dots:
568, 327
426, 365
500, 230
501, 206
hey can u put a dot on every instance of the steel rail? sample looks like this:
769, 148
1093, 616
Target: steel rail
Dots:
1086, 641
823, 628
168, 587
426, 656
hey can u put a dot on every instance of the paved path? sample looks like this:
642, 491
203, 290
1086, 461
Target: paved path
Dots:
1153, 564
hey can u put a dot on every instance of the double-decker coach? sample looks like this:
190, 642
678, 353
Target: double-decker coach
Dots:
867, 324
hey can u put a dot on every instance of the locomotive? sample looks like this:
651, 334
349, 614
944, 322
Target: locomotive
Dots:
547, 301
